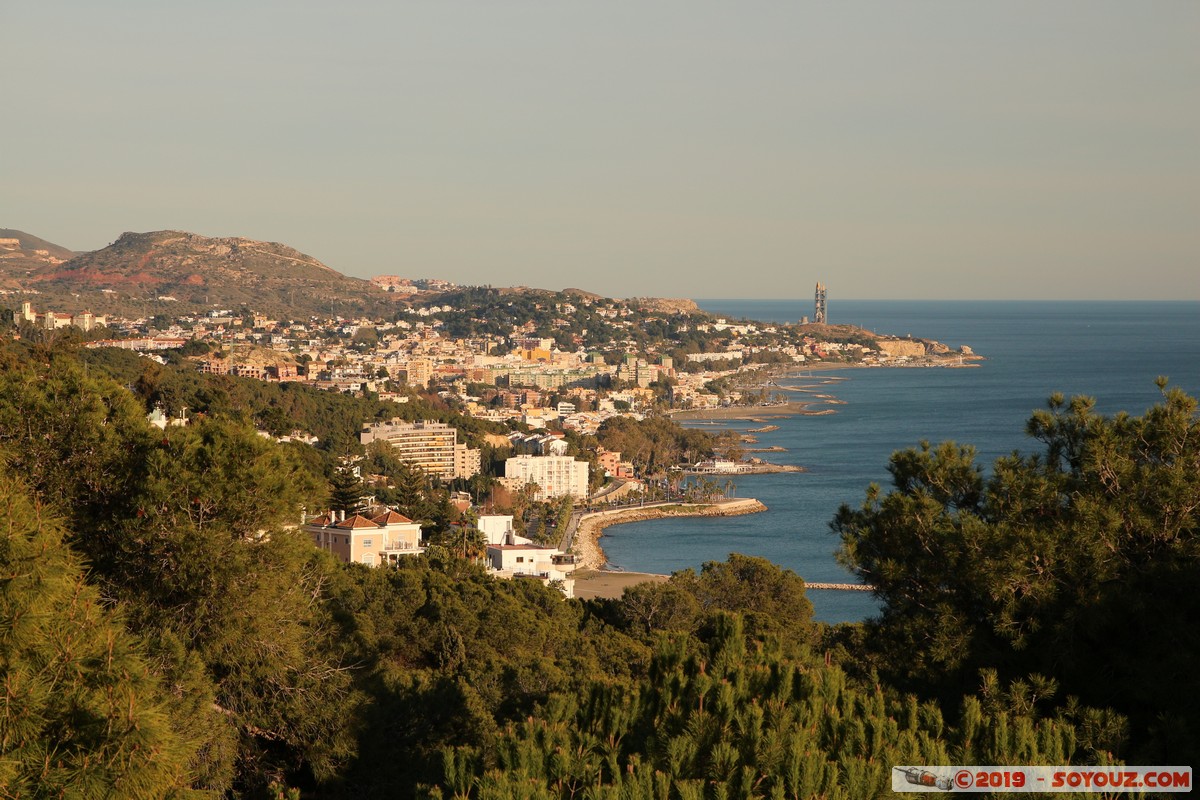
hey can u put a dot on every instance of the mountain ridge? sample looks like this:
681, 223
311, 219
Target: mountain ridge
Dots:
189, 271
173, 272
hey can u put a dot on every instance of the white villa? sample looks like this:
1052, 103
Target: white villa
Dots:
511, 556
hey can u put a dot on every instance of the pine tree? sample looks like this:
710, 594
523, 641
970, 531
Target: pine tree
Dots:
346, 491
82, 715
1078, 563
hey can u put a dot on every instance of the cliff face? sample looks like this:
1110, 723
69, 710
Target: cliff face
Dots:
666, 305
901, 347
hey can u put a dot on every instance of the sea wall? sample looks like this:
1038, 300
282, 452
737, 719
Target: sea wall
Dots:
588, 552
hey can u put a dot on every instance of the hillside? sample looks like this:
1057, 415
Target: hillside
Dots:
177, 271
22, 254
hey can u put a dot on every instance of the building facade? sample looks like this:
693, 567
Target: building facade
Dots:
432, 446
555, 476
378, 540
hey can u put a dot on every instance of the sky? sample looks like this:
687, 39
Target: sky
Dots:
936, 150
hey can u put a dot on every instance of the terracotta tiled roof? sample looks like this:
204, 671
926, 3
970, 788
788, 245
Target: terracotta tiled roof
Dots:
391, 518
357, 521
322, 519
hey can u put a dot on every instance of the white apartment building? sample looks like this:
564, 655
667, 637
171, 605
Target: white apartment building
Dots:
555, 476
532, 561
514, 557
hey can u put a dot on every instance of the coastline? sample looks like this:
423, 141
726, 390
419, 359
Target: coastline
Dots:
791, 408
593, 577
590, 556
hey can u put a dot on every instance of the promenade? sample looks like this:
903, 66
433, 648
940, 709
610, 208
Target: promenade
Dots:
585, 528
583, 532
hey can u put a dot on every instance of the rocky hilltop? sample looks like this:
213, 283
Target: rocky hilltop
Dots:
185, 271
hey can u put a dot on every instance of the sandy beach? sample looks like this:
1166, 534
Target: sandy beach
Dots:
591, 584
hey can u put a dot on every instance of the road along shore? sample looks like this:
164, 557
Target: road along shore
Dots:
590, 556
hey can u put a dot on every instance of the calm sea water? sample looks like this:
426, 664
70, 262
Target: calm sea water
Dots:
1112, 351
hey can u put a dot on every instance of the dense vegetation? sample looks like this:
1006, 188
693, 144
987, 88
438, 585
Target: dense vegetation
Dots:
165, 630
279, 408
1075, 567
656, 443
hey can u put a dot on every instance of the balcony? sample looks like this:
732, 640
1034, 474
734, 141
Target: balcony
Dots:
390, 547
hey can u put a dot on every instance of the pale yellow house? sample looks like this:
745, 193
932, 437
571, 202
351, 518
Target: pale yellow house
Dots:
372, 541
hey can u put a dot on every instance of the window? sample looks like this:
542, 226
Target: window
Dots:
368, 542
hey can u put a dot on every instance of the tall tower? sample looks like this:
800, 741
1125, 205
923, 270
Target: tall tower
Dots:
819, 306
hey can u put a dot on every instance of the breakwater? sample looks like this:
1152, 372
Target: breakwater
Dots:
842, 587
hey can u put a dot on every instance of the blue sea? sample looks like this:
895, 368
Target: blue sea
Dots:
1111, 351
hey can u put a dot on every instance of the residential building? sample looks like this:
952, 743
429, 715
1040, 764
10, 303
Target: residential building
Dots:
555, 476
511, 556
432, 446
467, 461
372, 541
418, 371
498, 528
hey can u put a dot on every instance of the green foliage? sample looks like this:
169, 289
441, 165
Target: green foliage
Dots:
77, 441
658, 607
451, 655
83, 714
408, 487
334, 418
346, 491
1043, 612
187, 528
1077, 563
737, 723
654, 444
770, 600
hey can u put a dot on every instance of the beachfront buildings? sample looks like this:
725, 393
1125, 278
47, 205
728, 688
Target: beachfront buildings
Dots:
532, 561
372, 541
432, 446
554, 476
512, 556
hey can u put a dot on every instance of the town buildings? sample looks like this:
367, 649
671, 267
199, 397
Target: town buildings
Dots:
512, 556
51, 320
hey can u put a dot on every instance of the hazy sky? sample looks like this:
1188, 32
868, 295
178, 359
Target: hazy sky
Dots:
699, 149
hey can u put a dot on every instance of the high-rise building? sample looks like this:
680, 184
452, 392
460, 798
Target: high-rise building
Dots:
819, 316
432, 446
418, 371
555, 476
